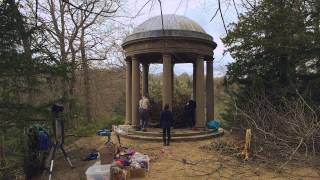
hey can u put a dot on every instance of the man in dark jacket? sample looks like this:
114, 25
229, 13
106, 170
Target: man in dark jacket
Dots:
188, 115
192, 106
165, 123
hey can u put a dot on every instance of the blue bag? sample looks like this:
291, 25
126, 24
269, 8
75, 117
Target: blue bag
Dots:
91, 156
213, 124
39, 139
104, 132
44, 142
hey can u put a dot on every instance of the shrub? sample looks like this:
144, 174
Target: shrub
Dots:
281, 130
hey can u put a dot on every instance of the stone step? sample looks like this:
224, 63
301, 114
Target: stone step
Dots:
174, 133
218, 133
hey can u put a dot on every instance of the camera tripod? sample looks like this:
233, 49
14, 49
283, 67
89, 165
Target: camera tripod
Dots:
59, 142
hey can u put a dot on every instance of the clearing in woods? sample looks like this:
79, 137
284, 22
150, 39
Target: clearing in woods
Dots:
184, 160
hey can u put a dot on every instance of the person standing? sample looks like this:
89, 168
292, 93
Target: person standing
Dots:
192, 107
166, 119
143, 111
188, 115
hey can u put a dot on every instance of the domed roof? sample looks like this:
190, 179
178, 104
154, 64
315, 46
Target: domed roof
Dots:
173, 26
170, 22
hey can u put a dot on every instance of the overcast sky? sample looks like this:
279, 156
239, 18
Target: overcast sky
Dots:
201, 11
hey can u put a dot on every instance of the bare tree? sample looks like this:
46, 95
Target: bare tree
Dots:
70, 26
88, 19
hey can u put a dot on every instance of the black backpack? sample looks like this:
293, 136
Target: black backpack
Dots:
37, 150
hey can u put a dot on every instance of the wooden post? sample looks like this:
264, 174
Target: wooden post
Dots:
246, 151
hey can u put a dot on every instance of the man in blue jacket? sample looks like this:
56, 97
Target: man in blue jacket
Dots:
166, 119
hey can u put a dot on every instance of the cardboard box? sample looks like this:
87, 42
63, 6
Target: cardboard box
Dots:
118, 173
137, 172
107, 154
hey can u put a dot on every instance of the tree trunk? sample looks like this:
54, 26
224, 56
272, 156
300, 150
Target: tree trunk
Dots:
86, 78
72, 109
284, 70
63, 48
2, 156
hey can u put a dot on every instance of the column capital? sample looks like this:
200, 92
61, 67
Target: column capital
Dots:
210, 62
130, 58
166, 55
199, 56
134, 57
145, 64
128, 62
127, 58
210, 59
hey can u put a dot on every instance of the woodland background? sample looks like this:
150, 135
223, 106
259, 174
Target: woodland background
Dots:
69, 51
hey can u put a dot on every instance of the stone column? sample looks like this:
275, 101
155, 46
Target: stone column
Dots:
135, 91
200, 104
128, 93
194, 80
145, 74
167, 82
209, 91
172, 81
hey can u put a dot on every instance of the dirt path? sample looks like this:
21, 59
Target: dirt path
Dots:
185, 160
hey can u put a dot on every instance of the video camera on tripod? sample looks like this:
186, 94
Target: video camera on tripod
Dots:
57, 124
58, 130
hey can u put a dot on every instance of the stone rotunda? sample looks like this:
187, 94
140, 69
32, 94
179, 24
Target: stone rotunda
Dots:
169, 40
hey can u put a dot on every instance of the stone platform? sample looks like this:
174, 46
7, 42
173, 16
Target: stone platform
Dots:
155, 134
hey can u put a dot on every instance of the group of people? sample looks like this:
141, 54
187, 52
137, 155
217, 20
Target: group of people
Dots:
166, 117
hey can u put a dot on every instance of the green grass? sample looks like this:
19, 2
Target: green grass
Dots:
90, 129
13, 147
